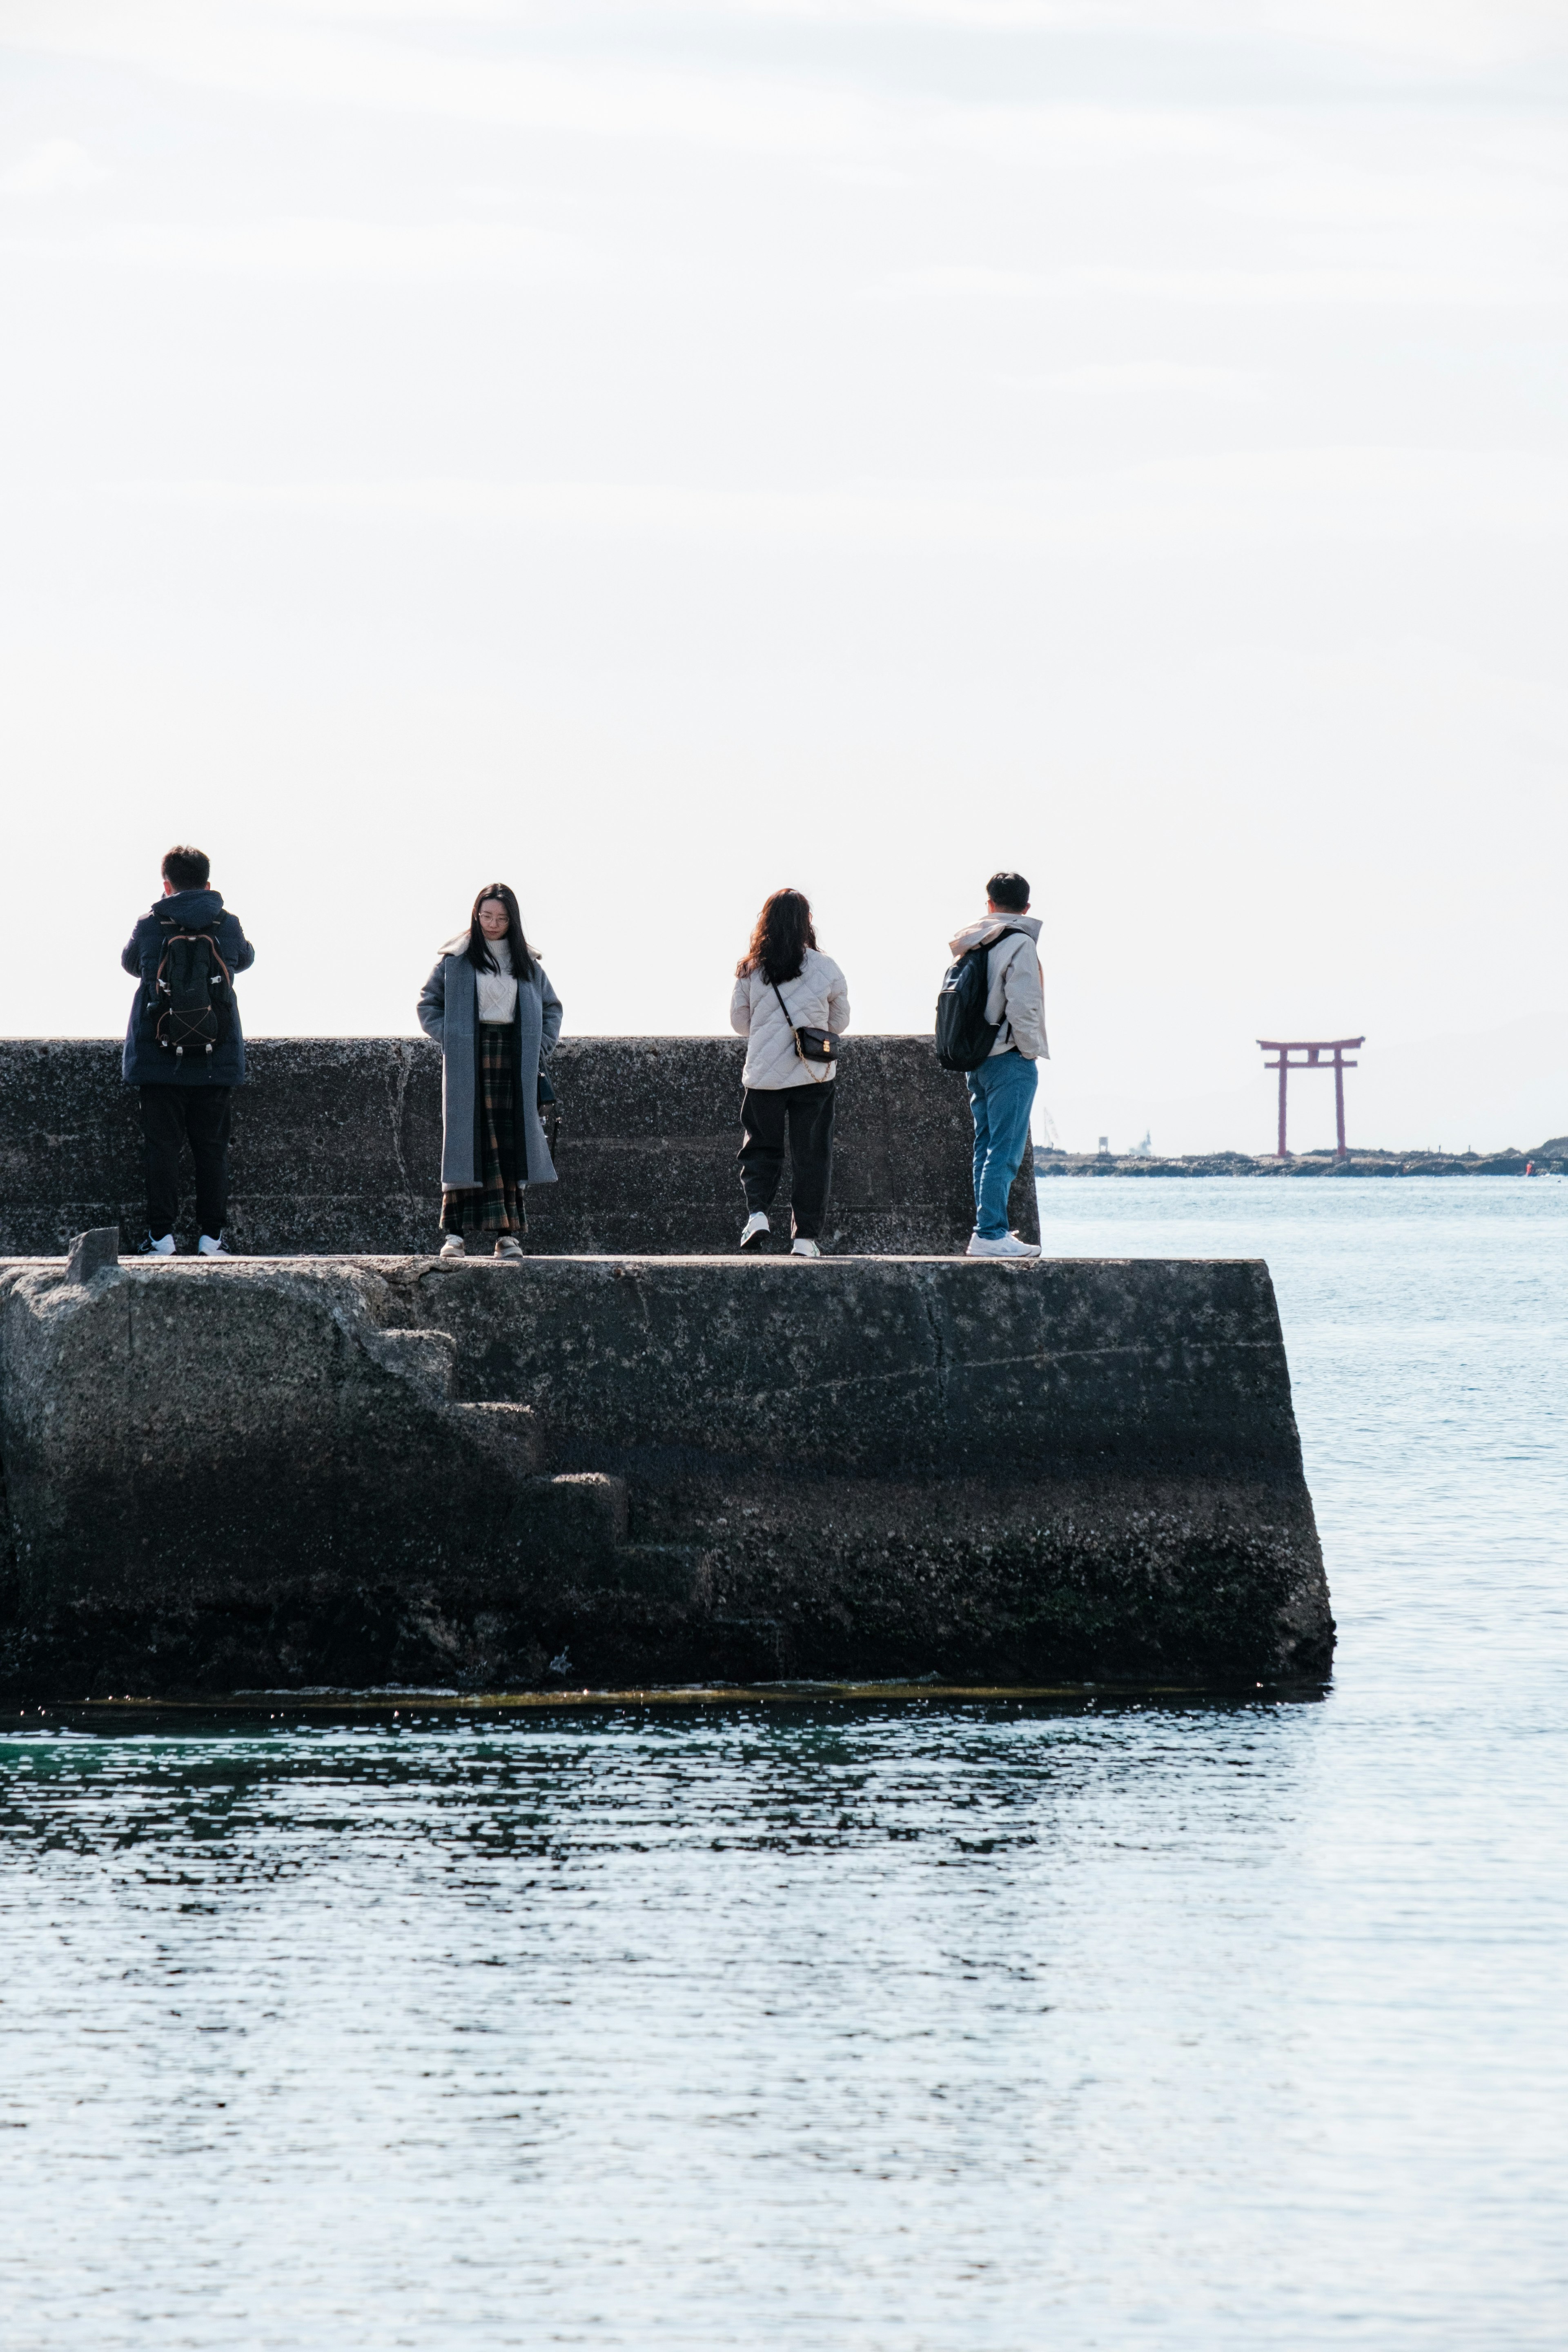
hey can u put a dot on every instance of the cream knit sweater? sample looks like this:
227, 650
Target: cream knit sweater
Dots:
496, 990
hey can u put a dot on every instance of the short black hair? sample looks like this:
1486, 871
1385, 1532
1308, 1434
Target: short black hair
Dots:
185, 867
1008, 890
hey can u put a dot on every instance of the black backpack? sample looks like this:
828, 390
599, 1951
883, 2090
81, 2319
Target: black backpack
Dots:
963, 1035
191, 1004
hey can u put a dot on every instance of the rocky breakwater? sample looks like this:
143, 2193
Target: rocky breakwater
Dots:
1549, 1158
582, 1470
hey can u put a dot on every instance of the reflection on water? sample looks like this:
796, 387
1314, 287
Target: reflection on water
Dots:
939, 2024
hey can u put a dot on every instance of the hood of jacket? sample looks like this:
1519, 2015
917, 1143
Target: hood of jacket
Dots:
990, 928
198, 909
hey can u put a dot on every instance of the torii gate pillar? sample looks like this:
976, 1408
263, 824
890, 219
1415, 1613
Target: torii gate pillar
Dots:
1311, 1049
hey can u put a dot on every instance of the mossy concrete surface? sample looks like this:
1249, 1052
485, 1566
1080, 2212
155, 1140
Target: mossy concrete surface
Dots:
281, 1474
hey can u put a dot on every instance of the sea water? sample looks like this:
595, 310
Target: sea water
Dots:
1001, 2024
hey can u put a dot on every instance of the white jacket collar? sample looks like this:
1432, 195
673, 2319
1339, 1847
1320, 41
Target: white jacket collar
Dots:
991, 926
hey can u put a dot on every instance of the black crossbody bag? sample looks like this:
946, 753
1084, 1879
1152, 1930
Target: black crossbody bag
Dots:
811, 1044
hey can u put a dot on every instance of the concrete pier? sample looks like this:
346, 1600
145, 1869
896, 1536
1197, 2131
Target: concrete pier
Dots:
601, 1470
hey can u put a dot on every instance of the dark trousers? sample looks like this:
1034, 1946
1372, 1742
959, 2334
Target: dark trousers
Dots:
201, 1117
805, 1113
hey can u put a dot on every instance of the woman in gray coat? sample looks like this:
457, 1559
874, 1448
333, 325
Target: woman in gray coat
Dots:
490, 1007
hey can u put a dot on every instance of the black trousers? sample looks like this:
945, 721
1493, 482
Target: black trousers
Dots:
805, 1114
171, 1118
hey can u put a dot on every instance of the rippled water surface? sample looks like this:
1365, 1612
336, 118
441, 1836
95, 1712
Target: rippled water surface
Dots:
928, 2025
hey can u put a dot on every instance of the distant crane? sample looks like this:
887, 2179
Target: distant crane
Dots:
1337, 1046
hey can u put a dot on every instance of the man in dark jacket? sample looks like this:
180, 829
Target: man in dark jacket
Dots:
186, 1095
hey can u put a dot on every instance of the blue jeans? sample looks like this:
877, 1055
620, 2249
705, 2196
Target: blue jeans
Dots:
1000, 1095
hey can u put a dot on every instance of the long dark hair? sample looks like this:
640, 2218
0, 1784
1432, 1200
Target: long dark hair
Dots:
478, 951
783, 935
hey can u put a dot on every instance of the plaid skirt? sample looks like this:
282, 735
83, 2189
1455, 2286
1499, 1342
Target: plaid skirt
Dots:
493, 1205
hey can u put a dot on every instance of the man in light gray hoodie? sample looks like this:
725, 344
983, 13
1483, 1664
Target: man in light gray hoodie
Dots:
1002, 1091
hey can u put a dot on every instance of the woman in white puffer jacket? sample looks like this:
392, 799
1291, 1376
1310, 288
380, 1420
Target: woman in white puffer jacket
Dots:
784, 983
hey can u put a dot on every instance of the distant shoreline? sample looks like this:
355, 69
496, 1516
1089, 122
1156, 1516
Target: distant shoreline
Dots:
1547, 1159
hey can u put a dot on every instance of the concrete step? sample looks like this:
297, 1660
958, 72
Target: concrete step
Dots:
575, 1521
662, 1571
508, 1434
427, 1360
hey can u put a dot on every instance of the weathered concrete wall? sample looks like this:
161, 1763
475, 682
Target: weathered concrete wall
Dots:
247, 1474
338, 1148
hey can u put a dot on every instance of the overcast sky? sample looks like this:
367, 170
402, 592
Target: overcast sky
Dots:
649, 453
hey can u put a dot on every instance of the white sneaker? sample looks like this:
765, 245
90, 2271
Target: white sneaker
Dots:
1009, 1245
508, 1245
802, 1248
208, 1248
453, 1246
164, 1248
756, 1226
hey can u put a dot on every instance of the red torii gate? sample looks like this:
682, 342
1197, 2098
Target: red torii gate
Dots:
1336, 1046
